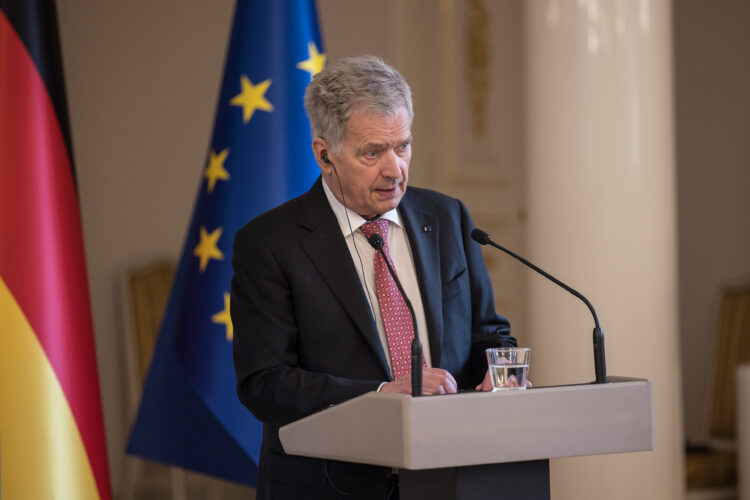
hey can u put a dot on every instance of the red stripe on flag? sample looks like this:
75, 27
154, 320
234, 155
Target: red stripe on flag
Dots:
41, 244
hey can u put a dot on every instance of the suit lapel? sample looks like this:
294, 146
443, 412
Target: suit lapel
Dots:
423, 232
327, 249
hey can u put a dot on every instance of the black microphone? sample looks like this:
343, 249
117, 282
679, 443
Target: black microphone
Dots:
376, 241
599, 364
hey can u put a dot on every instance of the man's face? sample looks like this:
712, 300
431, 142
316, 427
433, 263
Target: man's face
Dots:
373, 164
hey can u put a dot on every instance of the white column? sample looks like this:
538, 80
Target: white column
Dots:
601, 208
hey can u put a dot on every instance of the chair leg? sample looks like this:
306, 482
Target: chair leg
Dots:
132, 472
178, 483
215, 491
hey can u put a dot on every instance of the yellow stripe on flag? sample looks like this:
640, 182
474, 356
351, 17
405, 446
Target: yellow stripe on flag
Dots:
41, 451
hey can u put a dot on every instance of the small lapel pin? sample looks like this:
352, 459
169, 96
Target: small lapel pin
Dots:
427, 229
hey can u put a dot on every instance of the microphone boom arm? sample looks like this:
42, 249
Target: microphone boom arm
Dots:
376, 241
599, 360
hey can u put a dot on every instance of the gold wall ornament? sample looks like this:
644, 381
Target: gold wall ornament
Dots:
477, 63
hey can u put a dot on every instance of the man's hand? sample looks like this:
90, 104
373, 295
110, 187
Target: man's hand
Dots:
486, 384
434, 381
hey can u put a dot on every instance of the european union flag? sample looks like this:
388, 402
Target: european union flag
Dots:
259, 157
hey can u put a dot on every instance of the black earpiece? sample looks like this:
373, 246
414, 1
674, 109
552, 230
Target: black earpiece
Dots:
325, 159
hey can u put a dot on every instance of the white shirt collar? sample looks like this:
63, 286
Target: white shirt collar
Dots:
355, 219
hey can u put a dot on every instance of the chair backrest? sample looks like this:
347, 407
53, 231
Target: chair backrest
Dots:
732, 349
145, 292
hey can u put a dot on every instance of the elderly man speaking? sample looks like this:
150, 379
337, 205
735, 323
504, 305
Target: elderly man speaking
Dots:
317, 318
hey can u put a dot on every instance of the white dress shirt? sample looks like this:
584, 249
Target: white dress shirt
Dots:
363, 256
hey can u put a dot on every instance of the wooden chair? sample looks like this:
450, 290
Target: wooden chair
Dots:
711, 470
145, 292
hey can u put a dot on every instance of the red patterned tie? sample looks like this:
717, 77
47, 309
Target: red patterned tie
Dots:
396, 318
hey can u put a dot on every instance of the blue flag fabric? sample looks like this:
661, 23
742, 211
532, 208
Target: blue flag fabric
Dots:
259, 157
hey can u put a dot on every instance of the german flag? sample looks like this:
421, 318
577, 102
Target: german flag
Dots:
51, 429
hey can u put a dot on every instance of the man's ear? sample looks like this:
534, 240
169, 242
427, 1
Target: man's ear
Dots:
322, 151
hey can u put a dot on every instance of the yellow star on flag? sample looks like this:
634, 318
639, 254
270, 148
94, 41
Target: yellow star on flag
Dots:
207, 249
215, 170
223, 318
316, 61
252, 97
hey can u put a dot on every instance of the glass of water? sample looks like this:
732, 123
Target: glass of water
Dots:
509, 367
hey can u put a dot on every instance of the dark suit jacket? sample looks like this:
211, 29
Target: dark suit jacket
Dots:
304, 336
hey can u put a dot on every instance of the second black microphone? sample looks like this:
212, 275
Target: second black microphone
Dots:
376, 241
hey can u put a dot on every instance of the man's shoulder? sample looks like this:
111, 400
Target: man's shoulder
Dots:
430, 199
279, 220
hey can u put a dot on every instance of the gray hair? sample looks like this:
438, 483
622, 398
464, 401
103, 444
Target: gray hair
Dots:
353, 84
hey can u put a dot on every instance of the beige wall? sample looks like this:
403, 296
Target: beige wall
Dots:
712, 102
142, 82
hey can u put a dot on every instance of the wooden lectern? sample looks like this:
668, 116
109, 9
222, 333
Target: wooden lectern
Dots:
479, 444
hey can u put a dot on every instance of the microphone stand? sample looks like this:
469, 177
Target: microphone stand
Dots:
599, 363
